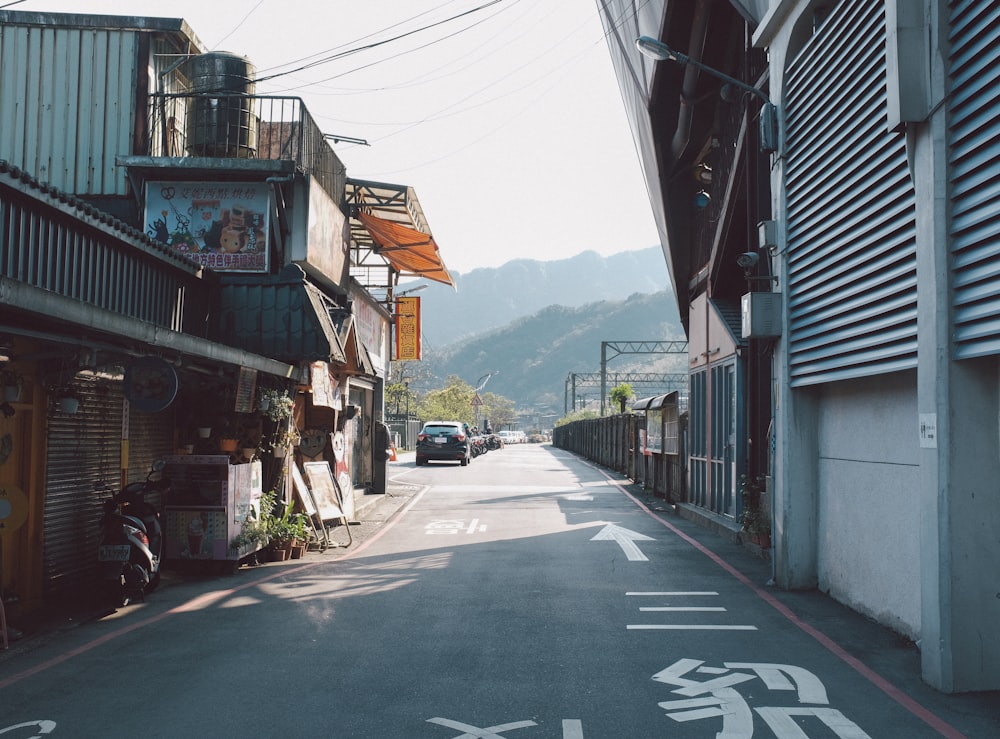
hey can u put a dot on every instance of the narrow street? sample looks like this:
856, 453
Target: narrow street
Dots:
529, 595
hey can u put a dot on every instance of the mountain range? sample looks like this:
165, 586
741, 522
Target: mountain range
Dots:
488, 298
530, 325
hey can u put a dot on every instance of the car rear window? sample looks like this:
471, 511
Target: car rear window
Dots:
442, 429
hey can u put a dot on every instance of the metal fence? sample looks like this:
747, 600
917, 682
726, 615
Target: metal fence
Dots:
615, 442
244, 127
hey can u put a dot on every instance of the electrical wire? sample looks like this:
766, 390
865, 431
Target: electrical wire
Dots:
238, 25
376, 44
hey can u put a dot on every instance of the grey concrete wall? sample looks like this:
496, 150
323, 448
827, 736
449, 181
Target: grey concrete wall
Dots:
868, 504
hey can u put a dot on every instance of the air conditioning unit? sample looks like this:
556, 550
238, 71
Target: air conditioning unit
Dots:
761, 315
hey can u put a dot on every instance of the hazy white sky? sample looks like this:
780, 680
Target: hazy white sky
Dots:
506, 120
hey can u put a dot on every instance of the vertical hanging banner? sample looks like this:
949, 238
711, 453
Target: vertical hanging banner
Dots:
408, 328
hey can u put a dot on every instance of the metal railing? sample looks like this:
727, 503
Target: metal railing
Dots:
244, 127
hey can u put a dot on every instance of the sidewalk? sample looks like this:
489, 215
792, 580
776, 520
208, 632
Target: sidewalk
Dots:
371, 513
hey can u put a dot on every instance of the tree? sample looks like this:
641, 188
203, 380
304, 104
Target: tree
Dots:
621, 394
499, 410
451, 403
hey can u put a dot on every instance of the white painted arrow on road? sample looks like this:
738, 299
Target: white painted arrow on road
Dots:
626, 539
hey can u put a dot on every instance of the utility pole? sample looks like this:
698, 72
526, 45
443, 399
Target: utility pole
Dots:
634, 347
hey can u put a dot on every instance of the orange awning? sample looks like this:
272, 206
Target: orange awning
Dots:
410, 251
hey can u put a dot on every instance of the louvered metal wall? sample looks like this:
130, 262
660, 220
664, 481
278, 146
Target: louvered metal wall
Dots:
84, 453
974, 158
852, 294
67, 126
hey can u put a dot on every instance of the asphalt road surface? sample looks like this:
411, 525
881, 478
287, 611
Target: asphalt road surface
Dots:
529, 595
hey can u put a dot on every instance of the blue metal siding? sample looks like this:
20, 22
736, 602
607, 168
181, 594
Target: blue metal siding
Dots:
850, 208
67, 99
974, 159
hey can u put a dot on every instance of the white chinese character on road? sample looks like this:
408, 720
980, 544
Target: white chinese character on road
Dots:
711, 693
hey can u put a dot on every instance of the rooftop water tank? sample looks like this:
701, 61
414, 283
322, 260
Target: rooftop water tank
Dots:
220, 119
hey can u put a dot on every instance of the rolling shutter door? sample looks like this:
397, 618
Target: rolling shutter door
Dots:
850, 206
83, 452
974, 159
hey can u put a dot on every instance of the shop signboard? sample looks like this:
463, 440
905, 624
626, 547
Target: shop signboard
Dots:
408, 328
221, 225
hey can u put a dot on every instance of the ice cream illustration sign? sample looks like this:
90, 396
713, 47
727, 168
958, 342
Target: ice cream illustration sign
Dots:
222, 225
195, 534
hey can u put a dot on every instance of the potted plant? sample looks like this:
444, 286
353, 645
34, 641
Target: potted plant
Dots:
229, 440
67, 399
275, 404
286, 436
255, 534
12, 383
285, 530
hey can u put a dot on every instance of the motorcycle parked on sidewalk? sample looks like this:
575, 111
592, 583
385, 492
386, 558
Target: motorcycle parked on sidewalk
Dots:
131, 545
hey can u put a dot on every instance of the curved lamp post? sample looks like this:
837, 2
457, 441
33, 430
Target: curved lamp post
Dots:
658, 50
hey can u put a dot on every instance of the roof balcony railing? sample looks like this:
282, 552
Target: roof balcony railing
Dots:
238, 126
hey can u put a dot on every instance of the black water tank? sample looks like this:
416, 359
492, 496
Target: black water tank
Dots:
220, 116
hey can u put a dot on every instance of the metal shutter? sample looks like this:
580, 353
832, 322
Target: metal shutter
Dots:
83, 452
974, 159
850, 208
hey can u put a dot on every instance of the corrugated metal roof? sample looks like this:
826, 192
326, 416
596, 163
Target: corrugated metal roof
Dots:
283, 317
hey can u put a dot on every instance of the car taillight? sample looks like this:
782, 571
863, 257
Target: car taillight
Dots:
460, 437
423, 437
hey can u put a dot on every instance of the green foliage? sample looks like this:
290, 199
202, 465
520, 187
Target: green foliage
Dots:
579, 415
499, 410
256, 528
451, 403
288, 526
620, 395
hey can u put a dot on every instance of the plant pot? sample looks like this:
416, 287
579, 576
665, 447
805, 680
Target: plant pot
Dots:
69, 406
204, 432
298, 550
280, 451
228, 445
280, 555
248, 452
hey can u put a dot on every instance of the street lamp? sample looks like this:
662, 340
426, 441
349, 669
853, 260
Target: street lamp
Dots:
481, 382
658, 50
411, 290
406, 423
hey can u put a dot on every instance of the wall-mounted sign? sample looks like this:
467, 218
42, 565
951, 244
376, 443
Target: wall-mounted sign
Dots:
222, 225
408, 328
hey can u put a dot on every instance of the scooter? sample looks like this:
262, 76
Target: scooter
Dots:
131, 546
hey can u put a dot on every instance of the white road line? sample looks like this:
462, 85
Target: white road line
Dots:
472, 526
690, 627
572, 728
675, 592
676, 609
